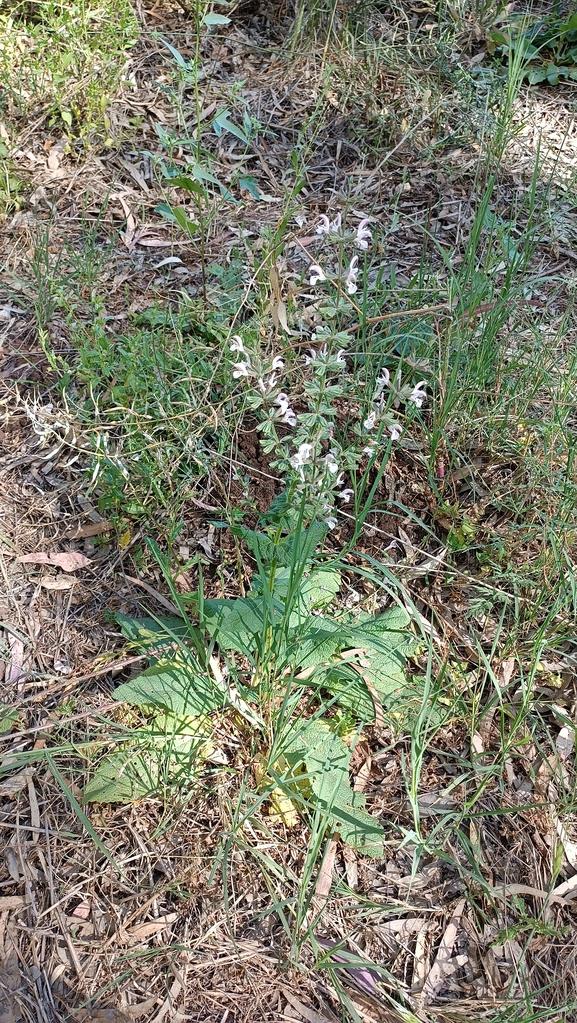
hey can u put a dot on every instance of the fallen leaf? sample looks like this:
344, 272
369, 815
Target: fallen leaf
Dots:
14, 668
438, 971
146, 930
8, 902
58, 582
69, 561
351, 867
13, 785
282, 809
107, 1014
10, 982
90, 529
304, 1010
12, 864
565, 742
325, 875
82, 911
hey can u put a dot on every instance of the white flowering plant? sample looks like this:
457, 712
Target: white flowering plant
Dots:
298, 403
300, 430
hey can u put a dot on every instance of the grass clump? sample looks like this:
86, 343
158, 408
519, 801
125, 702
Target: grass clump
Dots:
64, 61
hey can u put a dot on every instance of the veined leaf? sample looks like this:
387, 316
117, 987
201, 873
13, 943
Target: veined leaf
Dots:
325, 758
173, 685
239, 624
123, 778
147, 632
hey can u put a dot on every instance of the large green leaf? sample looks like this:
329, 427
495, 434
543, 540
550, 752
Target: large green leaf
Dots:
173, 685
325, 759
239, 624
387, 644
296, 549
167, 753
150, 632
123, 778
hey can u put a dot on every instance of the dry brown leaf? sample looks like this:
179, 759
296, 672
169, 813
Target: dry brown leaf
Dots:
69, 561
82, 911
107, 1014
13, 785
139, 1008
90, 529
11, 902
363, 777
10, 982
325, 876
565, 742
507, 669
438, 971
57, 582
146, 930
14, 669
311, 1015
351, 867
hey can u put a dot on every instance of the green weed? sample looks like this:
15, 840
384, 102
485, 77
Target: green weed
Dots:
64, 62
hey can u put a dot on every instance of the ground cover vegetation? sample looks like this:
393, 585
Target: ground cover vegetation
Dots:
287, 622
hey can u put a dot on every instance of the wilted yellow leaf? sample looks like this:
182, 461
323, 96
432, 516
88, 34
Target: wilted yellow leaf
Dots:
282, 809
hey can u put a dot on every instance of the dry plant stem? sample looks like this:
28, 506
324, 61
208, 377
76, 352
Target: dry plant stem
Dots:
402, 312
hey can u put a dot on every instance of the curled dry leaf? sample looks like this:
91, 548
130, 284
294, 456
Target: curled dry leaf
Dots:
58, 582
69, 561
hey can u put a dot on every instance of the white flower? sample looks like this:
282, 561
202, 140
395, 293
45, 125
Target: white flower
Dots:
340, 479
240, 369
382, 382
396, 431
352, 275
286, 412
418, 394
283, 402
265, 387
303, 456
345, 495
326, 227
364, 235
331, 463
331, 522
237, 345
316, 274
314, 356
370, 421
277, 363
370, 449
340, 359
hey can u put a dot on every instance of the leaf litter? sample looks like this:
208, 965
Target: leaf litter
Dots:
463, 942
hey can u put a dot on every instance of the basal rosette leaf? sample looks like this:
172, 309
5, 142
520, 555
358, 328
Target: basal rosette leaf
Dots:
325, 759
